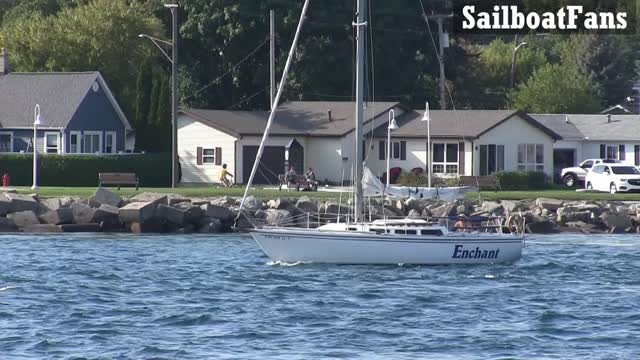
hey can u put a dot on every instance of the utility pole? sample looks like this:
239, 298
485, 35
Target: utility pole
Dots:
272, 55
442, 38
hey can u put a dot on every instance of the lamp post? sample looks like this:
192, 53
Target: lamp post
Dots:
392, 126
37, 120
173, 59
513, 62
427, 119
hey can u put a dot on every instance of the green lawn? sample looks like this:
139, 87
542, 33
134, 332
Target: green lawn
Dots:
553, 194
47, 191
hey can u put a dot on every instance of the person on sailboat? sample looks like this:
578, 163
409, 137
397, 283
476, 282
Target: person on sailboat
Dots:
224, 176
462, 224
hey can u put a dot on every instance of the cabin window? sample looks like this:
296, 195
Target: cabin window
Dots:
431, 232
377, 231
52, 142
531, 157
6, 142
406, 232
445, 158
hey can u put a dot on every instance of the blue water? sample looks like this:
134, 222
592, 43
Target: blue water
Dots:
192, 297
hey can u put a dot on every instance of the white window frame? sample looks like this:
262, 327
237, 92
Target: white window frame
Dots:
528, 160
211, 157
445, 163
113, 139
89, 133
10, 141
78, 135
45, 146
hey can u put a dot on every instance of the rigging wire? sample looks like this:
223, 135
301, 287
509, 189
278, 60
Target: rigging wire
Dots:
247, 98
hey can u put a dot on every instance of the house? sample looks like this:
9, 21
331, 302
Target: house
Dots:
466, 142
594, 136
304, 134
79, 113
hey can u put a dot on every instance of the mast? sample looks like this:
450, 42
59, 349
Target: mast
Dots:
360, 25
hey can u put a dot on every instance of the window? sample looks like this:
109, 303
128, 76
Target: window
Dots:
6, 142
587, 164
74, 142
398, 150
531, 157
110, 142
52, 142
636, 151
92, 141
612, 152
445, 158
208, 156
491, 159
598, 169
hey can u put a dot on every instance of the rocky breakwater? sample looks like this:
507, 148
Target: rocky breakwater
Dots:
106, 211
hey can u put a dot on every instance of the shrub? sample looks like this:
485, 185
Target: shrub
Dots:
523, 180
417, 180
153, 170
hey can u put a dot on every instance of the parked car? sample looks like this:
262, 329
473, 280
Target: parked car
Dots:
613, 178
571, 176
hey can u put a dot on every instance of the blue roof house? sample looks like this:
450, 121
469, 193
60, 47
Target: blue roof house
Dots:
79, 113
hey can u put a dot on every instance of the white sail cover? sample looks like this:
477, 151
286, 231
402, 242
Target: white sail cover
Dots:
372, 187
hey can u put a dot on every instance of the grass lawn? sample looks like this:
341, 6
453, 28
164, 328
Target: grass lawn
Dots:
47, 191
553, 194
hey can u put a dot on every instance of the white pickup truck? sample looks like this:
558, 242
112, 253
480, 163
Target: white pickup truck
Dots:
572, 175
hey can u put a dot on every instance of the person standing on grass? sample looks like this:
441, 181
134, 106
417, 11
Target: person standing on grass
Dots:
226, 182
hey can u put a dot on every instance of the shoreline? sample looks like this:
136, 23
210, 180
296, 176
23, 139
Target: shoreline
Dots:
148, 212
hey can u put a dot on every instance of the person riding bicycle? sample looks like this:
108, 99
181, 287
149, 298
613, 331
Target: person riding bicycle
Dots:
224, 174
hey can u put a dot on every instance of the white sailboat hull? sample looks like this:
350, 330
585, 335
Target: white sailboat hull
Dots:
343, 247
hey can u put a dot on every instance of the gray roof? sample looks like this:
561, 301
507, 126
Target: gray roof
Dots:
308, 118
456, 124
58, 94
559, 124
598, 128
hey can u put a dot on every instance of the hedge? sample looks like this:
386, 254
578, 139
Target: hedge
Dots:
523, 180
153, 170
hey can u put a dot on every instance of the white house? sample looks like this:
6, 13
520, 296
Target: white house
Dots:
304, 134
466, 142
594, 136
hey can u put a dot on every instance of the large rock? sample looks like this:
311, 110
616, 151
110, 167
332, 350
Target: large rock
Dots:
103, 196
252, 204
21, 202
565, 215
107, 216
513, 207
83, 228
444, 210
224, 201
41, 228
273, 203
492, 207
330, 208
171, 214
277, 217
307, 205
214, 226
414, 204
5, 206
155, 198
147, 227
174, 199
51, 204
82, 214
193, 213
138, 212
618, 221
58, 216
217, 212
24, 218
549, 204
540, 225
7, 225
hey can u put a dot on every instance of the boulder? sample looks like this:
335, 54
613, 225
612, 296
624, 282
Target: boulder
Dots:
41, 228
193, 214
171, 214
564, 216
307, 205
137, 212
24, 218
549, 204
58, 216
331, 208
82, 214
277, 217
252, 204
103, 196
51, 204
513, 207
66, 201
146, 227
214, 226
84, 228
539, 225
224, 201
7, 225
614, 220
107, 216
21, 202
217, 212
5, 206
414, 204
273, 203
414, 214
173, 199
151, 197
492, 207
444, 210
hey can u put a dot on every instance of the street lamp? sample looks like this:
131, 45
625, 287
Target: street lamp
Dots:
427, 119
174, 71
37, 120
392, 126
513, 63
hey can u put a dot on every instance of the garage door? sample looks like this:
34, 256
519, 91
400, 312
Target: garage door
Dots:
271, 164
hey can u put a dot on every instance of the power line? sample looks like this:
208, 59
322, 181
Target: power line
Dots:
245, 99
197, 92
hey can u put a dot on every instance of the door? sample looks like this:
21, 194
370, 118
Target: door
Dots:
562, 158
296, 156
271, 164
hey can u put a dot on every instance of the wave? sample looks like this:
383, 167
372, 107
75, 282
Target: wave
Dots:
282, 263
5, 288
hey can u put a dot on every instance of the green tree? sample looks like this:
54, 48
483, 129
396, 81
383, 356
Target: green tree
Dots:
143, 101
162, 137
556, 89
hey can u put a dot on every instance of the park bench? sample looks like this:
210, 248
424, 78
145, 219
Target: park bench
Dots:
481, 182
301, 182
118, 179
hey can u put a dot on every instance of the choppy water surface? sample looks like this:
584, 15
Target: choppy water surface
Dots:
184, 297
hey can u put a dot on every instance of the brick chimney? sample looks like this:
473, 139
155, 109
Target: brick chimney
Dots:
4, 61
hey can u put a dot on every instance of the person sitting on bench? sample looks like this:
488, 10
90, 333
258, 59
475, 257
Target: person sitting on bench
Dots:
310, 177
226, 182
291, 175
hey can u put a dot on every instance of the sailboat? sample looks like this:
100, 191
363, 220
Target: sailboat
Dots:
385, 241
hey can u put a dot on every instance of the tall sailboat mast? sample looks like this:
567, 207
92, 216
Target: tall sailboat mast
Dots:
360, 25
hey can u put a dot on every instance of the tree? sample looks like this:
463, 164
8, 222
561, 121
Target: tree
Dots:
143, 101
556, 89
162, 138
